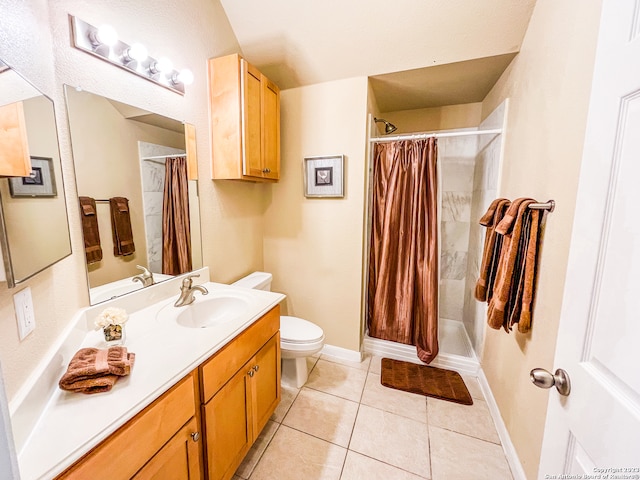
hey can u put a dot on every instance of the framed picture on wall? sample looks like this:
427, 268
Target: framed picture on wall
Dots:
40, 183
324, 176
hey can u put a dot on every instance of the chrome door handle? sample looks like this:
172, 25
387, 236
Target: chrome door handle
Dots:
543, 379
251, 373
195, 436
256, 368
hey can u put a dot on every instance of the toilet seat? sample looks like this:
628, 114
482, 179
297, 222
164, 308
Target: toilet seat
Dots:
296, 331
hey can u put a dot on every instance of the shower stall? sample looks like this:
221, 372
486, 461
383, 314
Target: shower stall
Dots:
469, 162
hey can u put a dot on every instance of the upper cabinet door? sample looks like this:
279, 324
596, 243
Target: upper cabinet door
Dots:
252, 121
14, 149
245, 121
270, 128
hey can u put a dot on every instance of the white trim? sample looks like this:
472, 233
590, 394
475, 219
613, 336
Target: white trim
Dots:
509, 450
399, 351
342, 353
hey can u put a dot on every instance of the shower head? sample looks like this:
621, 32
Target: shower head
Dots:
388, 126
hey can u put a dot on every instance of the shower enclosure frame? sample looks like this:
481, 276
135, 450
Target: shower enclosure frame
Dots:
464, 364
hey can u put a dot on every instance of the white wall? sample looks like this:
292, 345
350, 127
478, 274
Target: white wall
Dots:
314, 246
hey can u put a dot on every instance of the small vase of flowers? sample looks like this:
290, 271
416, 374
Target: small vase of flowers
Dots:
112, 321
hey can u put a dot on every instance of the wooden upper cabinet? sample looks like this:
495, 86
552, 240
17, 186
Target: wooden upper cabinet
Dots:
245, 121
14, 149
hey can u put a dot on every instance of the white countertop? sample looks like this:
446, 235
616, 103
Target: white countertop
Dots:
71, 424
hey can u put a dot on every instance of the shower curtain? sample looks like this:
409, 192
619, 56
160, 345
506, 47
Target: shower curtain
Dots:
176, 231
403, 262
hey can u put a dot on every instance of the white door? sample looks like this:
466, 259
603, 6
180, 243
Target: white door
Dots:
598, 425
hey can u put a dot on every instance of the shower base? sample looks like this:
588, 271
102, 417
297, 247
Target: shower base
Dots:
455, 353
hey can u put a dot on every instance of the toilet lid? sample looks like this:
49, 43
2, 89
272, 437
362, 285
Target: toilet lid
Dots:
297, 330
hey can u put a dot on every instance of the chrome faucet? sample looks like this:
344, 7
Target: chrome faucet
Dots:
187, 290
145, 278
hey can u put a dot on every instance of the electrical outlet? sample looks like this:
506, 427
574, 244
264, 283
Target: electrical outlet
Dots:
24, 312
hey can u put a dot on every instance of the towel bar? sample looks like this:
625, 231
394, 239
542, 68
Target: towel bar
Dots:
550, 205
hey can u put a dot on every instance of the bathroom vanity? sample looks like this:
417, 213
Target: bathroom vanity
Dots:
196, 399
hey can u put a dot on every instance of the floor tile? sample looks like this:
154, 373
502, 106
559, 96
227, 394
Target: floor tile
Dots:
359, 467
293, 455
458, 456
345, 382
392, 439
375, 365
287, 396
395, 401
473, 385
363, 365
256, 451
474, 420
322, 415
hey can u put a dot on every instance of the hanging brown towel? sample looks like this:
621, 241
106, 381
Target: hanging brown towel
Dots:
121, 227
492, 247
530, 273
90, 232
510, 227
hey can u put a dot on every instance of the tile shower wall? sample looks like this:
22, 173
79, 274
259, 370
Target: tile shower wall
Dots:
485, 189
457, 158
152, 194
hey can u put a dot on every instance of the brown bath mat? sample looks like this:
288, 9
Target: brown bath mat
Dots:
425, 380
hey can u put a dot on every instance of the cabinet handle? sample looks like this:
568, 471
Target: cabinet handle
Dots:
250, 373
266, 170
195, 436
256, 367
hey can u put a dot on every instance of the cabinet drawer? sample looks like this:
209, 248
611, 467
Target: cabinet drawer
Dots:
128, 449
221, 367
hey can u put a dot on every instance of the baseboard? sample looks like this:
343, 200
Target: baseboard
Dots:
341, 353
509, 450
399, 351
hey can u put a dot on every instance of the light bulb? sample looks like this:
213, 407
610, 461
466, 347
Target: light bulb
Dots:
105, 35
163, 65
137, 52
185, 76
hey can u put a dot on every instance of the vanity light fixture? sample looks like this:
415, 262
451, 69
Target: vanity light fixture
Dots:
103, 43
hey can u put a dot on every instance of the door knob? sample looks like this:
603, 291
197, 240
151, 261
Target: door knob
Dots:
195, 436
256, 368
543, 379
251, 373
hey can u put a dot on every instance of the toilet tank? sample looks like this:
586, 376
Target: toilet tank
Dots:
257, 280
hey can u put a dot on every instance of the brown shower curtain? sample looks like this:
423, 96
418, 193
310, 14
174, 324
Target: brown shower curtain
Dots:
403, 261
176, 231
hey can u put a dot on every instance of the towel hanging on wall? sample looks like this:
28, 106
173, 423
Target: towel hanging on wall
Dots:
512, 257
121, 227
90, 232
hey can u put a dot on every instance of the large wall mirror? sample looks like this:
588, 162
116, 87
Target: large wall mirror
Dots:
125, 161
34, 227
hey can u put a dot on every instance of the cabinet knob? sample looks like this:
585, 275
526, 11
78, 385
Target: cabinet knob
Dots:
266, 170
251, 373
256, 367
195, 436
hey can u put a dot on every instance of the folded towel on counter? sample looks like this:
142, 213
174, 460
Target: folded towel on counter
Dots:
492, 248
93, 370
90, 232
121, 227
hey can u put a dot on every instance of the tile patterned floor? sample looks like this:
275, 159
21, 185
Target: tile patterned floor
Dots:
344, 425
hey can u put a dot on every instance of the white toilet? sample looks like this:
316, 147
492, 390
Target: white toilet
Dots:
299, 338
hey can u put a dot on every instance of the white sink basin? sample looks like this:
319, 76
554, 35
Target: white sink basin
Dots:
210, 310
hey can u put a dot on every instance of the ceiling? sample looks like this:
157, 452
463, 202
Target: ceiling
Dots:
297, 43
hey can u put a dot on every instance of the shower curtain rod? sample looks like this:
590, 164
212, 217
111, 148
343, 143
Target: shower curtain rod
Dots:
165, 156
420, 136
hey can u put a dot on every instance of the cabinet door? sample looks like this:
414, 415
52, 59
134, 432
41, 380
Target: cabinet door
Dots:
270, 129
252, 121
14, 150
177, 460
265, 383
227, 427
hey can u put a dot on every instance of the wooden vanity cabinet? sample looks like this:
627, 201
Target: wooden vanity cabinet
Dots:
240, 391
161, 442
245, 121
